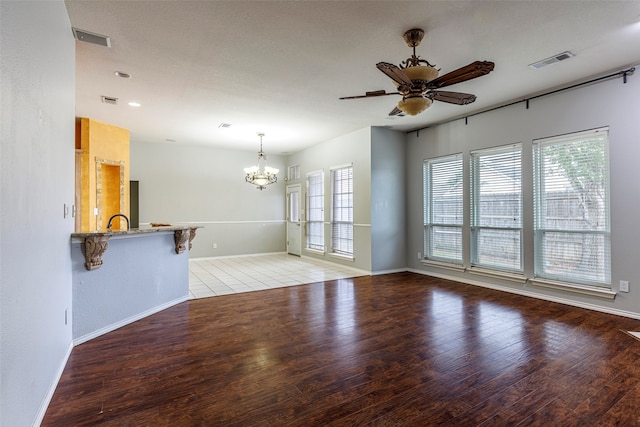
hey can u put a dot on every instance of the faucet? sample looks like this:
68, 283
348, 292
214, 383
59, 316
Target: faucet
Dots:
109, 225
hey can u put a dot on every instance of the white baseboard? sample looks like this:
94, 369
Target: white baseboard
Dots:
204, 258
560, 300
335, 264
52, 387
131, 319
395, 270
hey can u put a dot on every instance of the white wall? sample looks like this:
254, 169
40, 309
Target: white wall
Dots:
354, 148
610, 103
37, 180
388, 203
192, 184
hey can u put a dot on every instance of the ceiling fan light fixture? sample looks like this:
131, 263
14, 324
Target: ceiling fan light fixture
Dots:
418, 83
414, 105
421, 72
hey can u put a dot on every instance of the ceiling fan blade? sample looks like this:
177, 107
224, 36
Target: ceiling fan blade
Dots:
468, 72
394, 73
371, 94
396, 111
458, 98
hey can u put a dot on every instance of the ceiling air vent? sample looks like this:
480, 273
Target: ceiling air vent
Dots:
110, 100
86, 36
555, 58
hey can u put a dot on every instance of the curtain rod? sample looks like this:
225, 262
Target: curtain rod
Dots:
623, 73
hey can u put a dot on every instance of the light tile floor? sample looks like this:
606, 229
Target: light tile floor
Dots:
209, 277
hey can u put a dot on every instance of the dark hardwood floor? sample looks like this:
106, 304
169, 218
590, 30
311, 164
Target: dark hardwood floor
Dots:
391, 350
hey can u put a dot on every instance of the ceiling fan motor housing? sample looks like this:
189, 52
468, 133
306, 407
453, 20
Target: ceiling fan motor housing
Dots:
413, 37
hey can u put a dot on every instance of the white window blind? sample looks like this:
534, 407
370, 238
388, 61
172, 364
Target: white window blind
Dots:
293, 172
443, 211
496, 208
315, 211
342, 211
571, 208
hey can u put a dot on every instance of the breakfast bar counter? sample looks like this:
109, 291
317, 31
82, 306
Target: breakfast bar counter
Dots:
122, 276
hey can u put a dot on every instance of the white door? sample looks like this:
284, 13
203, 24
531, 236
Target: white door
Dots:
294, 228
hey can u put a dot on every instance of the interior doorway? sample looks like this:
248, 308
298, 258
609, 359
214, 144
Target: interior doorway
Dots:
110, 192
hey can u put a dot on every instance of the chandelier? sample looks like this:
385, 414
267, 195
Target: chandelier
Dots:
261, 175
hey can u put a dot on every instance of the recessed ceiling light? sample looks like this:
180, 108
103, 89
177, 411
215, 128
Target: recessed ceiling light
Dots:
134, 104
122, 74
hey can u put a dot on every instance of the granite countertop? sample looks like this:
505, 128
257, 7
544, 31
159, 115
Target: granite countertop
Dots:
135, 231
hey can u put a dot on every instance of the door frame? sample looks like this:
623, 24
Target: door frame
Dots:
288, 221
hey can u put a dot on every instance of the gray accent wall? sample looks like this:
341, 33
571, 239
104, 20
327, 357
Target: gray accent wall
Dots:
610, 103
193, 184
37, 179
388, 238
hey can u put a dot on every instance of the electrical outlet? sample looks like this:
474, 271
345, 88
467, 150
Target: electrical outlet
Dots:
215, 246
624, 286
419, 255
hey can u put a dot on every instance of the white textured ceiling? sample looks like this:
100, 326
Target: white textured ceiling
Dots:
279, 67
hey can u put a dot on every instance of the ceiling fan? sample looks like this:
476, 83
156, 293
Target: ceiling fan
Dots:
418, 82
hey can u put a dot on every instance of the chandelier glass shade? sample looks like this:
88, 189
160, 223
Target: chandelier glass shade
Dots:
261, 175
421, 72
414, 105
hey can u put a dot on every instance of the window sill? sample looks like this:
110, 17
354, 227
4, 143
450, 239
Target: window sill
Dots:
314, 251
580, 289
343, 257
514, 277
440, 264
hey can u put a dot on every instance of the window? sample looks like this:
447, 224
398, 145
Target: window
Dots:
443, 214
571, 208
315, 211
293, 172
496, 208
342, 211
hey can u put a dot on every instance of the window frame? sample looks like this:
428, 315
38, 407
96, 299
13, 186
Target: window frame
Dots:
541, 209
430, 223
313, 199
342, 210
477, 225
